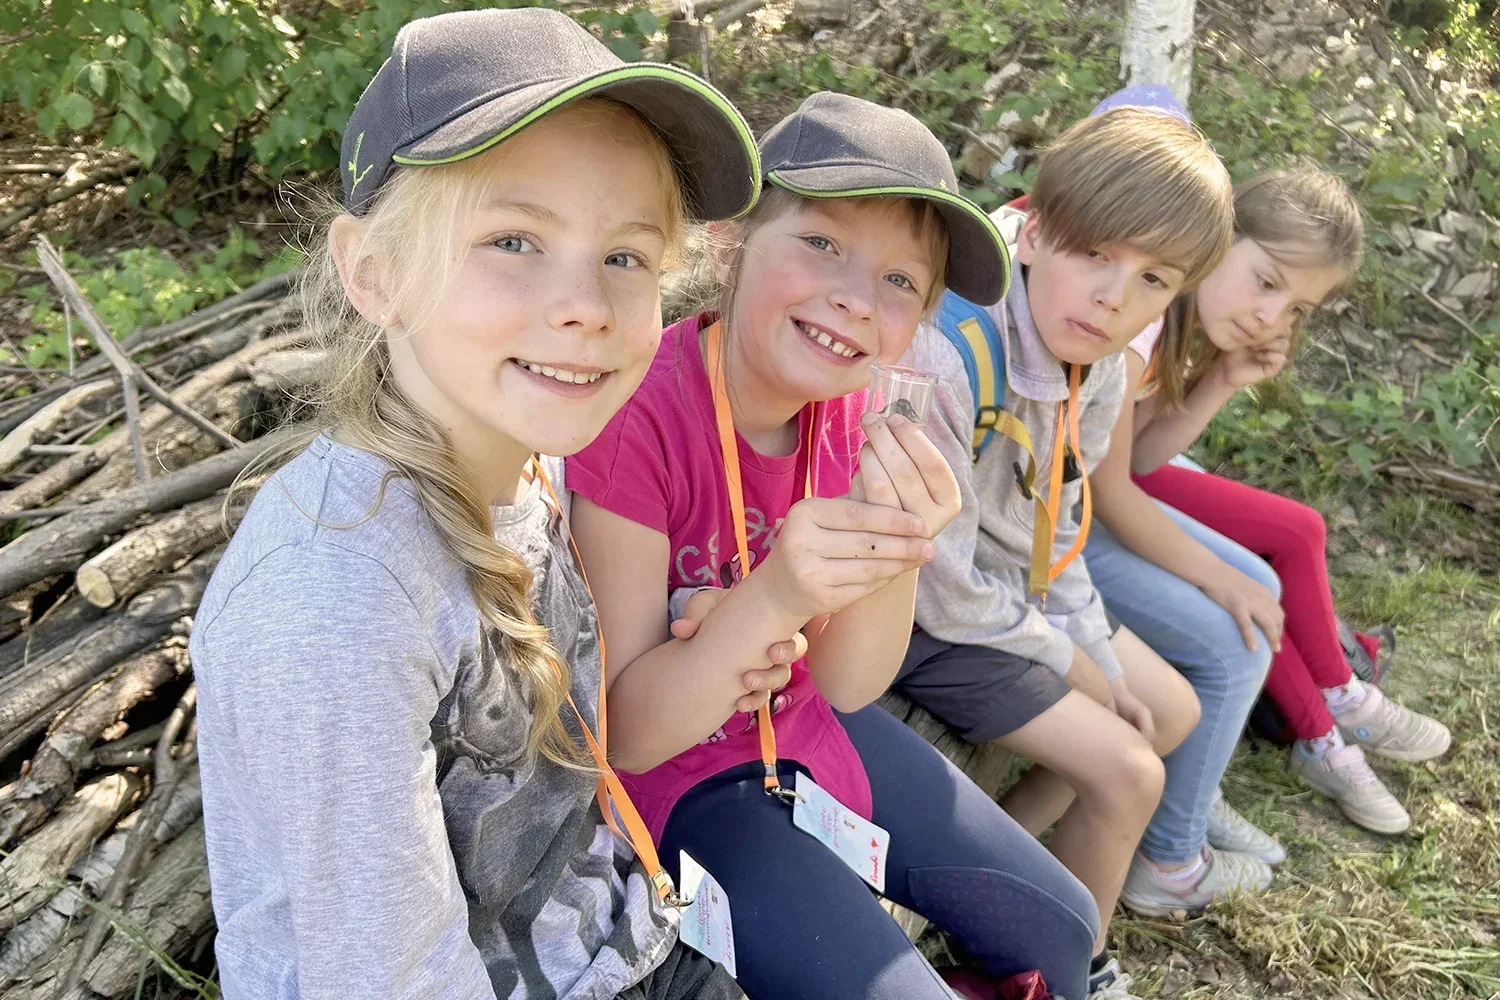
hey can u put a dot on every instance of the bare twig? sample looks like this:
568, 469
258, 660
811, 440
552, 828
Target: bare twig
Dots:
129, 371
1468, 327
734, 13
133, 420
168, 771
187, 413
1445, 476
33, 168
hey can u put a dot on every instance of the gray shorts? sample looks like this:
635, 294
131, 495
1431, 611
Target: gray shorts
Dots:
982, 692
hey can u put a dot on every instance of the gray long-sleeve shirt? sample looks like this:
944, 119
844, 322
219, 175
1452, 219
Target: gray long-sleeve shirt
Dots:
974, 591
375, 828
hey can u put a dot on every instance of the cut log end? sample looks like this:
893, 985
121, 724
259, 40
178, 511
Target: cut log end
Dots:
95, 587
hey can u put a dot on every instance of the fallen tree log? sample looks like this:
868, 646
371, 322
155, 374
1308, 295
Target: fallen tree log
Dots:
169, 909
147, 618
119, 571
175, 445
32, 874
45, 932
40, 424
204, 350
64, 543
64, 473
59, 761
167, 771
289, 372
66, 618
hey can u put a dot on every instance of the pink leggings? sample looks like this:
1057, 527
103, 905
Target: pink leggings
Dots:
1291, 536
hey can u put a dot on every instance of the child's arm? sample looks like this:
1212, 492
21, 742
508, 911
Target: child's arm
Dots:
855, 656
1144, 528
667, 696
1161, 436
317, 720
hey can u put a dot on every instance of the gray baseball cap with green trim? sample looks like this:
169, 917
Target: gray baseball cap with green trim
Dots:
456, 84
838, 146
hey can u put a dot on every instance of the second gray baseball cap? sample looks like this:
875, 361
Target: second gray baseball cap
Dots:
838, 146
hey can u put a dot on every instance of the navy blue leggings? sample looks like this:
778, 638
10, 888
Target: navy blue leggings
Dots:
806, 926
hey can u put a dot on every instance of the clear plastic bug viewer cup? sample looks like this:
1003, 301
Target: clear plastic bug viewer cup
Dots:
904, 391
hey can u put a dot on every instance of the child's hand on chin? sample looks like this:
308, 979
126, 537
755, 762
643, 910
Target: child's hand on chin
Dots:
1247, 365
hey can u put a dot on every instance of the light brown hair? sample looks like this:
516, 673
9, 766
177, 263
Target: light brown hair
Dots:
1141, 178
413, 239
1301, 217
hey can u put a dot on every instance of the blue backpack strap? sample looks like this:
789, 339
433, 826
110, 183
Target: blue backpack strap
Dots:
971, 330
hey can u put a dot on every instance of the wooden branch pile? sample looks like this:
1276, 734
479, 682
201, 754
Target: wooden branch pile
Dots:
113, 495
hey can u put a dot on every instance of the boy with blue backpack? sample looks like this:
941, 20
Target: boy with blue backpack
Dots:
1012, 642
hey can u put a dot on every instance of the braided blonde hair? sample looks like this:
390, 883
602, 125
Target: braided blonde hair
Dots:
412, 238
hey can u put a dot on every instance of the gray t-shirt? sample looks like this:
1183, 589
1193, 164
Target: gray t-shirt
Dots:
375, 828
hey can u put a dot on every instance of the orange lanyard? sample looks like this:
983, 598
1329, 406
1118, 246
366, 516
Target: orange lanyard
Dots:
609, 790
1046, 517
730, 450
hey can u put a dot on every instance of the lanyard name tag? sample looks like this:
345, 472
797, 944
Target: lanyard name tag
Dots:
859, 843
706, 925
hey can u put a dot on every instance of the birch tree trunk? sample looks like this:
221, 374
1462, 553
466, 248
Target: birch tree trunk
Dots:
1158, 44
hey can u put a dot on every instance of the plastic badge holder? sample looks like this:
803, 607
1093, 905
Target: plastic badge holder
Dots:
903, 391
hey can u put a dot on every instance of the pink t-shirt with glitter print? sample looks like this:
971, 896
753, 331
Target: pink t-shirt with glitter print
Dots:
658, 464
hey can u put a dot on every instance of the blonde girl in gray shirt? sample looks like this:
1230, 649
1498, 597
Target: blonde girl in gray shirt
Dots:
397, 656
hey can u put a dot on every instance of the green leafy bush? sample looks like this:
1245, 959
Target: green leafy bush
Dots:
220, 82
141, 287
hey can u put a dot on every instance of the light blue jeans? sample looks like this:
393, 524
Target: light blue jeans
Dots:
1203, 642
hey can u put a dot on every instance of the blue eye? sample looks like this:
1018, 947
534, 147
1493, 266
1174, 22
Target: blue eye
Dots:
515, 244
901, 281
625, 258
818, 242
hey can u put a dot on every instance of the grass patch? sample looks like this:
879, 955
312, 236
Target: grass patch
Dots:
1354, 914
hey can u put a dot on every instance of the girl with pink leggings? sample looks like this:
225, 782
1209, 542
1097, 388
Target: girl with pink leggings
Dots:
1298, 239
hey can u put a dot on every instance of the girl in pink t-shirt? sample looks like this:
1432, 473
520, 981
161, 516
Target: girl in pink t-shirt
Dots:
745, 449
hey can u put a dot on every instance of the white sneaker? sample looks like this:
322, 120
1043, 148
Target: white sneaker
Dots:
1149, 893
1387, 729
1344, 775
1229, 831
1109, 983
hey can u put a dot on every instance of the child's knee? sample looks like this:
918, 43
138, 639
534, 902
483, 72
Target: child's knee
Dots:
1305, 526
1129, 781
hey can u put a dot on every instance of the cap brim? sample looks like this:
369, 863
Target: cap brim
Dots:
978, 263
711, 145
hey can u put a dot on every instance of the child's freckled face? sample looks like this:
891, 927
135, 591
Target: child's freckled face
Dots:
828, 289
1254, 297
555, 312
1088, 305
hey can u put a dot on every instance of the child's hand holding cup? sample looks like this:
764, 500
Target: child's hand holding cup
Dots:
899, 467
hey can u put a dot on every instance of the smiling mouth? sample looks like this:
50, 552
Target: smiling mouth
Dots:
825, 339
567, 376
